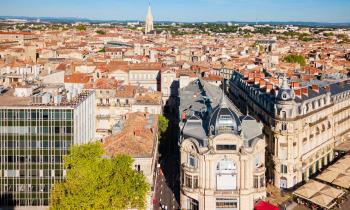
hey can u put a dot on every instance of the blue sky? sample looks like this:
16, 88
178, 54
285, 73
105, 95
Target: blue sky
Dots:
185, 10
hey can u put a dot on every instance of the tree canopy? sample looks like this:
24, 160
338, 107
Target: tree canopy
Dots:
94, 182
295, 59
163, 124
102, 32
81, 27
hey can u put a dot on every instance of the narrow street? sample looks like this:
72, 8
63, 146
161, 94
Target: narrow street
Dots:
168, 183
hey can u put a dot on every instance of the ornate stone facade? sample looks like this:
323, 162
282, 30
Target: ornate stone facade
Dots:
302, 125
222, 153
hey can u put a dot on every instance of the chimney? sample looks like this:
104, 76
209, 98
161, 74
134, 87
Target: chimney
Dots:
328, 88
298, 93
250, 76
256, 80
316, 88
295, 85
262, 83
305, 91
245, 75
269, 87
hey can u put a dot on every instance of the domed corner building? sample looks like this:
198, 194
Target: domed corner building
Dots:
222, 152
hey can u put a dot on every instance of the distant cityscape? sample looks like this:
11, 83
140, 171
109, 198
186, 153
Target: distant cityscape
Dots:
87, 20
145, 114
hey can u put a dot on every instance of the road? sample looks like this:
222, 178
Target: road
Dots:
167, 192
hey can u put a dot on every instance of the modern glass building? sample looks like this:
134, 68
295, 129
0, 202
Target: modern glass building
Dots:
33, 142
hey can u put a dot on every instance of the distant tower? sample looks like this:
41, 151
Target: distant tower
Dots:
149, 20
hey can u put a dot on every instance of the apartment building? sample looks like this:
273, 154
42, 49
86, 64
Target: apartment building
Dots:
222, 152
37, 127
302, 124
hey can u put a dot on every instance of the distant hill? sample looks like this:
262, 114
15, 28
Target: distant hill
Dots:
86, 20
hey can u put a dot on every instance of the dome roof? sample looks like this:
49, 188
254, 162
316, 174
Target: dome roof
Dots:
224, 120
285, 93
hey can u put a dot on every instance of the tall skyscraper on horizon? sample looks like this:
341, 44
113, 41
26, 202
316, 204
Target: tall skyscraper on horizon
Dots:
149, 20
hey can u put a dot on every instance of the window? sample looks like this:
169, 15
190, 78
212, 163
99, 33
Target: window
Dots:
256, 182
226, 147
283, 114
191, 181
226, 177
195, 182
284, 169
193, 204
188, 181
284, 127
226, 203
192, 161
68, 130
262, 181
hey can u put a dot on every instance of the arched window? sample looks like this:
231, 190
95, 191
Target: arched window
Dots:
283, 182
226, 175
283, 114
317, 130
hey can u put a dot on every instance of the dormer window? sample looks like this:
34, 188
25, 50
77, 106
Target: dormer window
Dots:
225, 119
221, 147
192, 161
284, 96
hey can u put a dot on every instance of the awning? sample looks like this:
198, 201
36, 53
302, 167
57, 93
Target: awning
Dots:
342, 181
328, 175
319, 193
338, 173
262, 205
345, 146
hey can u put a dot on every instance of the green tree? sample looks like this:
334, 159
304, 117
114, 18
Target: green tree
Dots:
292, 58
163, 124
102, 32
81, 27
94, 182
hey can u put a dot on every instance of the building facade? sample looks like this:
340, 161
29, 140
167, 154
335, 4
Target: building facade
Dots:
222, 153
302, 125
33, 142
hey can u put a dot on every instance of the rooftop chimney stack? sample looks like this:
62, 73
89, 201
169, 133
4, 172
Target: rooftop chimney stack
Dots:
316, 88
305, 91
298, 93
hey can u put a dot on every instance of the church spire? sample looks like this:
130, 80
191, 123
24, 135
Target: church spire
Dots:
149, 19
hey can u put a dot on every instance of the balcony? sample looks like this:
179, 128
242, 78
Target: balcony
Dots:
226, 192
103, 104
189, 169
103, 116
189, 190
260, 170
122, 105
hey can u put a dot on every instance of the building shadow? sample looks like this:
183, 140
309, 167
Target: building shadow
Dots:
170, 153
7, 202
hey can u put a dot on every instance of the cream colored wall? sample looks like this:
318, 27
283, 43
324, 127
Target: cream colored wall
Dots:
207, 192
